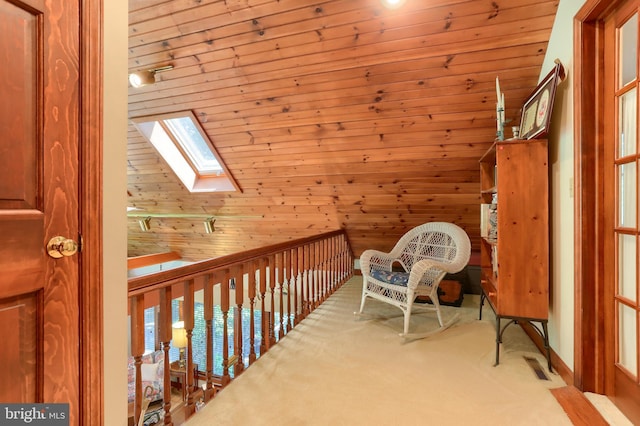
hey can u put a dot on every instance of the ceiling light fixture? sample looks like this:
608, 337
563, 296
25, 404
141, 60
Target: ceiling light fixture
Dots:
209, 227
392, 4
143, 78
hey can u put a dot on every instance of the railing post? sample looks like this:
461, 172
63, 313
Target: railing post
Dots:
210, 390
136, 307
165, 335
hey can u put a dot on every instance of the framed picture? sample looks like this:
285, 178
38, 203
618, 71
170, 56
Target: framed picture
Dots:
536, 113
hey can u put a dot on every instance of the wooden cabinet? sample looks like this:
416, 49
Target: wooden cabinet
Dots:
514, 250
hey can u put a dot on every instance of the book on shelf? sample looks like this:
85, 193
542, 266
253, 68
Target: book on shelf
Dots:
494, 260
489, 222
484, 220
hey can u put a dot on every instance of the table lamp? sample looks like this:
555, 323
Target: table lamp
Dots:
179, 340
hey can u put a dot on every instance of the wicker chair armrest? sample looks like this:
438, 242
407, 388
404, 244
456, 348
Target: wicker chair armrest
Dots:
440, 269
375, 259
425, 264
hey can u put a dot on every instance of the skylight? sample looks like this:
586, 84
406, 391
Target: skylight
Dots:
185, 147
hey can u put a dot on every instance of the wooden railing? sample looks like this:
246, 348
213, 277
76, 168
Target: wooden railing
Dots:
285, 282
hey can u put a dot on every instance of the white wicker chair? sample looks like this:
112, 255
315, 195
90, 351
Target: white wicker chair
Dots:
426, 253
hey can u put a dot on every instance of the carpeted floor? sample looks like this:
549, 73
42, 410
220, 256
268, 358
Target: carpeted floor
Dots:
336, 368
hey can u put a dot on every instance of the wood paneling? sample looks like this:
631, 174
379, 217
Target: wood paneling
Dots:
330, 114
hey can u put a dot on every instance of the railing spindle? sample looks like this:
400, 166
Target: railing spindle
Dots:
224, 306
209, 390
295, 278
238, 279
325, 270
280, 284
252, 301
289, 274
272, 313
307, 304
189, 323
165, 335
264, 334
137, 348
313, 258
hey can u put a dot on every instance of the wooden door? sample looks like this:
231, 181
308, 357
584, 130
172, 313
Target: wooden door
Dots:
621, 227
39, 118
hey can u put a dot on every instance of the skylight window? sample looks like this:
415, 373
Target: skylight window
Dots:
184, 145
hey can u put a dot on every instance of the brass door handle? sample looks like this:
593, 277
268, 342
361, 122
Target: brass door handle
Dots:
61, 246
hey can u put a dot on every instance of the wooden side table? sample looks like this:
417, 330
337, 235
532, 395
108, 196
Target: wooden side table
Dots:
180, 373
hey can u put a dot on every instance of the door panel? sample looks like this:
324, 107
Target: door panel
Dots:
19, 111
19, 348
39, 116
621, 227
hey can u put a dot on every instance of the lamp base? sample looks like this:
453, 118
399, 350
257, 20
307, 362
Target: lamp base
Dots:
182, 359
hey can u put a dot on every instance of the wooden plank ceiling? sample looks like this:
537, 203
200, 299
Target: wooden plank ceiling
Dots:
329, 114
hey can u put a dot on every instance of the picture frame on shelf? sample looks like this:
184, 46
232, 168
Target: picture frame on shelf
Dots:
537, 109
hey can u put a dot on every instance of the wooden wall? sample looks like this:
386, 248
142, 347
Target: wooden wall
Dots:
330, 114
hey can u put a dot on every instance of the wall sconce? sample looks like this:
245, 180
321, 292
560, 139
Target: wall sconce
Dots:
209, 227
142, 78
145, 224
179, 340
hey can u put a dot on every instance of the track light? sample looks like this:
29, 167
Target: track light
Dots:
209, 227
143, 78
145, 224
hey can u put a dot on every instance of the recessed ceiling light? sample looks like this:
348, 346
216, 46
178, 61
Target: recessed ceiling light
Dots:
392, 4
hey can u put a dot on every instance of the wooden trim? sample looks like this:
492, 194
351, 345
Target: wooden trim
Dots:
145, 283
588, 133
556, 362
579, 409
90, 203
151, 259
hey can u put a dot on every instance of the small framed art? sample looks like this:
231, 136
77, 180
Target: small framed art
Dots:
536, 113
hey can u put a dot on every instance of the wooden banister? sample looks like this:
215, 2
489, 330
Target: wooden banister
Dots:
304, 272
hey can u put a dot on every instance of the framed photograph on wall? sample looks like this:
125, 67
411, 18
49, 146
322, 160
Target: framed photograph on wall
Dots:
537, 109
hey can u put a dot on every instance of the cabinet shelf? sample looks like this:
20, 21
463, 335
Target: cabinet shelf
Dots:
515, 266
490, 191
489, 241
520, 171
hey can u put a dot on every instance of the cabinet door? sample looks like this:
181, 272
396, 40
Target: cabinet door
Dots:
523, 229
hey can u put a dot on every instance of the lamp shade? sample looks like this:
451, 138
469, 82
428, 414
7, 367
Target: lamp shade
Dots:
179, 335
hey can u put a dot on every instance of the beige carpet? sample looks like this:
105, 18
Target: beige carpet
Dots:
336, 368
